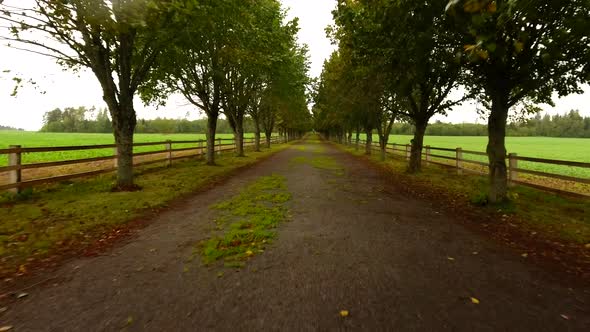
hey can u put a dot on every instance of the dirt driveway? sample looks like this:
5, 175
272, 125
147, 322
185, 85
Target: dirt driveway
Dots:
353, 243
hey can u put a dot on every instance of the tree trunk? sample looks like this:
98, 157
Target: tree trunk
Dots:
124, 122
256, 136
268, 136
358, 138
415, 165
383, 145
239, 139
497, 149
211, 129
369, 142
124, 141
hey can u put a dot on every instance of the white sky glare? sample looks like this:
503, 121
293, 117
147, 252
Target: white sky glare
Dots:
67, 89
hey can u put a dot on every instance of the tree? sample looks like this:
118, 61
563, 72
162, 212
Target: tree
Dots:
192, 65
520, 51
118, 40
410, 41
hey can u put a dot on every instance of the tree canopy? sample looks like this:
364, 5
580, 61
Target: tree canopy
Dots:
413, 56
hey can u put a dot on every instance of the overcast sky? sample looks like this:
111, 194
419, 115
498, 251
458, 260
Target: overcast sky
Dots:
64, 89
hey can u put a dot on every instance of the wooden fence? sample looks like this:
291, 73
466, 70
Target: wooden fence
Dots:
17, 174
456, 159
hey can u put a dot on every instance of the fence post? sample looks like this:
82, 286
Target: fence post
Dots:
169, 149
428, 155
512, 166
459, 163
408, 151
15, 159
218, 146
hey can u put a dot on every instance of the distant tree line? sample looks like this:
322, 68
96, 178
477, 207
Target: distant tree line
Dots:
571, 124
9, 128
83, 120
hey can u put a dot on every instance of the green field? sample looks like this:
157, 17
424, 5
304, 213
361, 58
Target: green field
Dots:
572, 149
35, 139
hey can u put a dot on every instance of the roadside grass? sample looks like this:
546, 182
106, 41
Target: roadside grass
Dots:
558, 217
38, 224
247, 222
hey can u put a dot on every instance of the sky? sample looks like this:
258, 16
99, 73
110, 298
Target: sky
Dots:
57, 88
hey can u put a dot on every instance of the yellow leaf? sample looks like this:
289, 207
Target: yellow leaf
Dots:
482, 54
473, 6
450, 258
492, 7
474, 300
469, 48
249, 253
344, 313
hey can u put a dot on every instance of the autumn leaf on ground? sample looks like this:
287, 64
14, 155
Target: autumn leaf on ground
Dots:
450, 258
5, 328
566, 317
474, 300
344, 313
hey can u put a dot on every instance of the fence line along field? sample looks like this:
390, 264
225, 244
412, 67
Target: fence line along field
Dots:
39, 139
570, 149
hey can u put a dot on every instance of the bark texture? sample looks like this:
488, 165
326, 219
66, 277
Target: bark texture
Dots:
496, 148
415, 165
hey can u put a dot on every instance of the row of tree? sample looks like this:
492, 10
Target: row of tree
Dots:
233, 57
401, 60
9, 128
83, 120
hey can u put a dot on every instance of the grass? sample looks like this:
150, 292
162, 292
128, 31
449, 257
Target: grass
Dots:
572, 149
247, 222
557, 217
36, 139
76, 214
320, 161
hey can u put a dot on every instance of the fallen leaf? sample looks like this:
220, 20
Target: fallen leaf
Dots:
220, 274
475, 253
450, 258
474, 300
525, 255
6, 328
344, 313
249, 253
21, 295
129, 320
587, 246
566, 317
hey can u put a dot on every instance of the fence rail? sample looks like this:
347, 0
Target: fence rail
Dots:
573, 185
12, 175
